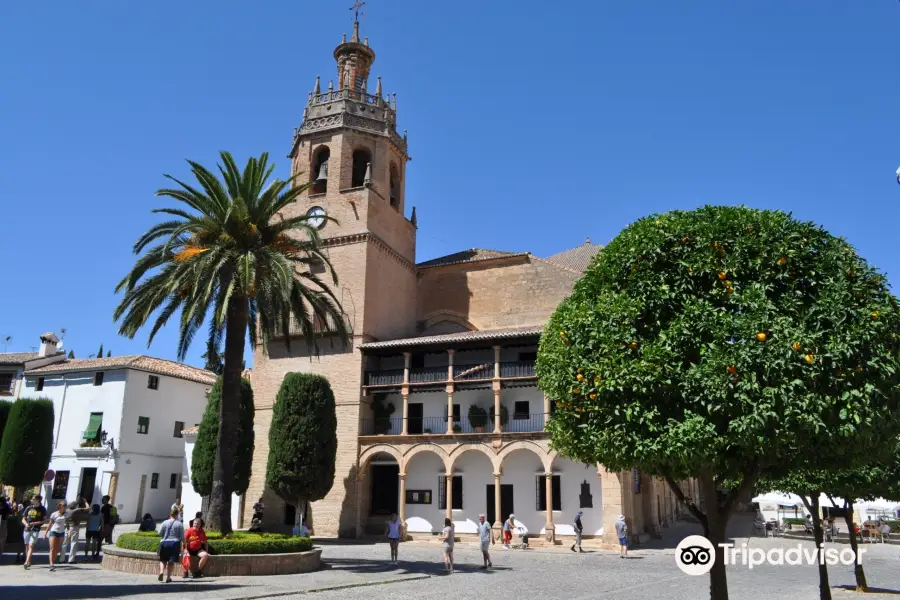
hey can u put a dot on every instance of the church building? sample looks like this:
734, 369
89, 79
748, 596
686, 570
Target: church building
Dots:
439, 413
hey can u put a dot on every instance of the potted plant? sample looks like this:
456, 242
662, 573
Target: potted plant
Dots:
477, 417
504, 415
382, 415
457, 428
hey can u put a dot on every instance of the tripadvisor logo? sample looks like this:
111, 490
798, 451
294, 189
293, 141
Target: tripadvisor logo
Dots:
696, 555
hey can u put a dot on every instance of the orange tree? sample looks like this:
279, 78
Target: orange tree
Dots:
716, 343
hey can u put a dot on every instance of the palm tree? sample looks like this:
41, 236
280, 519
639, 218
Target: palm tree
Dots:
226, 255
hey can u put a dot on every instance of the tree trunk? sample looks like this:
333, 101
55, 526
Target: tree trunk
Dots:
861, 584
813, 506
714, 530
229, 409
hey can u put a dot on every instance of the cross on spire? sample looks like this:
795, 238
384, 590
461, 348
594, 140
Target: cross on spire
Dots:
356, 6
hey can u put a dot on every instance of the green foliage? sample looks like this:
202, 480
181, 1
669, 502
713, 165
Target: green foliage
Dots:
27, 442
108, 353
478, 417
504, 415
5, 408
382, 413
100, 351
794, 521
302, 439
204, 453
724, 340
71, 354
235, 543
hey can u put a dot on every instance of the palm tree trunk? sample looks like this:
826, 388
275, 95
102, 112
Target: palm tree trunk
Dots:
229, 409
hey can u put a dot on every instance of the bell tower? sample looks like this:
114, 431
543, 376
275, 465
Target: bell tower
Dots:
348, 148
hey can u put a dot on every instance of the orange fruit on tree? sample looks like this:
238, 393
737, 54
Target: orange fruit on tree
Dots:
730, 290
722, 275
597, 379
634, 345
761, 336
782, 261
810, 359
732, 370
579, 377
593, 396
874, 315
796, 346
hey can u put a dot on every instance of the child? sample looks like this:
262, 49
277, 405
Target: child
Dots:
93, 536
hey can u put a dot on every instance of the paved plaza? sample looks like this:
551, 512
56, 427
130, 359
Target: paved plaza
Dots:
359, 571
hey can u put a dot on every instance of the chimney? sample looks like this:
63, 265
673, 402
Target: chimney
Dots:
48, 344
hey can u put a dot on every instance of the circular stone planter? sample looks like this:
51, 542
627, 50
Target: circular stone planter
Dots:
220, 565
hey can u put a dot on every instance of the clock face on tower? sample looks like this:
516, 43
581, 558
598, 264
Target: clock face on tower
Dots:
316, 216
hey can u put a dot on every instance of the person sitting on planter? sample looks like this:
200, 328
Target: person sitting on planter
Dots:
147, 523
197, 545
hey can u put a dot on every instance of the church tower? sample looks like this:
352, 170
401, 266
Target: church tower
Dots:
347, 149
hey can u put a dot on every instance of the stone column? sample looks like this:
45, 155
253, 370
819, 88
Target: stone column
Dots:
450, 355
546, 410
450, 408
404, 425
612, 494
549, 527
498, 517
402, 513
498, 427
450, 495
113, 485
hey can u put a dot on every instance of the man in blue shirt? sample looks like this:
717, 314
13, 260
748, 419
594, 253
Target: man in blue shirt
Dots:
486, 537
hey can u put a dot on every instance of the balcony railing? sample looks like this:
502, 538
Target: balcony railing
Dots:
394, 377
516, 369
438, 425
473, 372
428, 375
461, 373
347, 94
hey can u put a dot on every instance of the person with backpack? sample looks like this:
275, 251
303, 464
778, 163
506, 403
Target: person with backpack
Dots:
172, 534
579, 529
93, 537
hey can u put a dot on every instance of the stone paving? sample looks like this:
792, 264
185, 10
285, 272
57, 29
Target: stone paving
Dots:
359, 571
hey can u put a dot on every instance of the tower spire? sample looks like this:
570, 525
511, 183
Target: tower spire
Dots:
357, 4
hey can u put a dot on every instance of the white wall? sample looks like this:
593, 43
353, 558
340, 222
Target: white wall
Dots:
423, 473
193, 502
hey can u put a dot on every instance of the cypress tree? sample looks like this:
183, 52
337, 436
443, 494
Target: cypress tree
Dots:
71, 354
100, 351
204, 455
27, 442
302, 440
5, 407
108, 353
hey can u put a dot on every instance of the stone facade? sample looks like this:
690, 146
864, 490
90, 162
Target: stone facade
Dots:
349, 149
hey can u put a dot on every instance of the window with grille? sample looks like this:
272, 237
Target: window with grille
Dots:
39, 385
541, 492
173, 481
152, 382
6, 383
98, 378
154, 481
457, 493
143, 425
60, 485
179, 427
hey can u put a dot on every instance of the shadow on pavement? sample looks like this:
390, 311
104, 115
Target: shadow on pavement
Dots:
85, 591
872, 590
406, 567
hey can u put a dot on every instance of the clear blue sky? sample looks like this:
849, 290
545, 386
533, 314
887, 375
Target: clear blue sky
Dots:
531, 124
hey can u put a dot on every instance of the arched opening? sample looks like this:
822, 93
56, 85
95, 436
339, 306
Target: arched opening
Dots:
395, 186
383, 481
424, 474
523, 472
362, 158
319, 173
473, 489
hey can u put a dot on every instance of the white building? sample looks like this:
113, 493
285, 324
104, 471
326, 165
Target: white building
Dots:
14, 364
118, 428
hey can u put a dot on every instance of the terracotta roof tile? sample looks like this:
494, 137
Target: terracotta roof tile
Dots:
139, 362
467, 256
20, 358
465, 336
577, 258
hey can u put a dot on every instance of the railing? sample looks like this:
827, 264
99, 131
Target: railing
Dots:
516, 369
525, 423
394, 377
473, 372
438, 425
347, 94
428, 375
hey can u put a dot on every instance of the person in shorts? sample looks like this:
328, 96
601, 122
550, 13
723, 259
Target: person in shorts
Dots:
446, 537
579, 529
172, 534
485, 538
508, 526
622, 533
56, 533
32, 519
93, 537
197, 545
393, 530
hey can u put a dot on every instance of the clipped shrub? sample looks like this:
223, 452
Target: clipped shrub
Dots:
27, 442
236, 543
477, 416
203, 459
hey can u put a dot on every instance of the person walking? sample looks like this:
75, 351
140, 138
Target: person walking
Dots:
579, 529
56, 532
447, 535
486, 538
622, 532
172, 534
93, 536
197, 545
508, 526
5, 514
77, 516
32, 519
393, 531
258, 509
